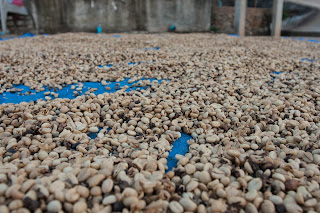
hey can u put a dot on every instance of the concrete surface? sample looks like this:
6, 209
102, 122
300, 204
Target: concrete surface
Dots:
311, 25
308, 26
309, 3
185, 15
257, 20
124, 15
120, 16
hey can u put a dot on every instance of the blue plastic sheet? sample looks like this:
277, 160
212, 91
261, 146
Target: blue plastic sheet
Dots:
108, 65
5, 39
276, 72
146, 49
65, 92
26, 35
302, 39
235, 35
286, 37
309, 60
130, 63
273, 77
181, 147
314, 41
93, 135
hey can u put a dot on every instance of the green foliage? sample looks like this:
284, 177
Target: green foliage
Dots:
213, 29
285, 14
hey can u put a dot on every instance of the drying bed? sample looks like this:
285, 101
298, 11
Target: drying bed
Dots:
159, 123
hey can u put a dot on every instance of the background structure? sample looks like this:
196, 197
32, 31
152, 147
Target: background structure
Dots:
56, 16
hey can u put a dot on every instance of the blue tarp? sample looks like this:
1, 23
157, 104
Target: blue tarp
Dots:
26, 35
181, 147
309, 60
302, 39
93, 135
235, 35
66, 92
276, 72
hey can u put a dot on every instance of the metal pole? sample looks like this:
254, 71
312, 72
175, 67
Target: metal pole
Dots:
240, 17
277, 18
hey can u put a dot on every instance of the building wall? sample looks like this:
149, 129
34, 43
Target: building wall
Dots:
258, 20
124, 15
120, 16
52, 15
56, 16
185, 15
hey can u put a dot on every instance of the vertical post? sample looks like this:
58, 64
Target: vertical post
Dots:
3, 11
34, 16
277, 18
240, 17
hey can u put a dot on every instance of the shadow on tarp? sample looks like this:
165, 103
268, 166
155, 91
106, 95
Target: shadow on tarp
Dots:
180, 147
67, 92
